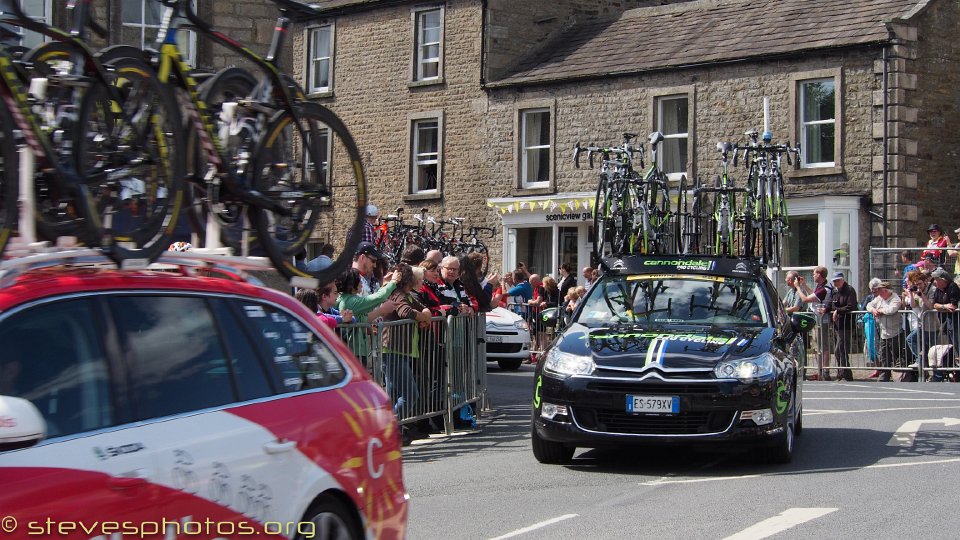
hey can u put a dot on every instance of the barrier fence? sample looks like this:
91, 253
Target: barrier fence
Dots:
430, 370
908, 345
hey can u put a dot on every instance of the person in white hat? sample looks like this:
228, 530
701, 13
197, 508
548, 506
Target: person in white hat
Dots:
370, 224
843, 304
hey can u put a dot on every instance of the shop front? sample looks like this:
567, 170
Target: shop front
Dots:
544, 232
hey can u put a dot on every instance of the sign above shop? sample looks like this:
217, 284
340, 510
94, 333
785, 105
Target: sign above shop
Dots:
570, 216
558, 208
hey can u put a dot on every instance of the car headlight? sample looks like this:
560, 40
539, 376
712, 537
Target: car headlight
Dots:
747, 369
521, 325
565, 365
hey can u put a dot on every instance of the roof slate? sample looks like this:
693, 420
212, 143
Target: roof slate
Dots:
705, 32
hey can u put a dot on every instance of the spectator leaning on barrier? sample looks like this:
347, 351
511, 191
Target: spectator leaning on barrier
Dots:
362, 307
401, 344
587, 274
885, 308
521, 292
945, 297
841, 310
906, 258
567, 280
452, 292
819, 298
331, 316
365, 262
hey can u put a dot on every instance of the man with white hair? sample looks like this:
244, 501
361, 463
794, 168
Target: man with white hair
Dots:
370, 224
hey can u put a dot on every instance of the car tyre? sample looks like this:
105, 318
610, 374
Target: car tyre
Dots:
511, 364
781, 450
549, 452
331, 519
797, 431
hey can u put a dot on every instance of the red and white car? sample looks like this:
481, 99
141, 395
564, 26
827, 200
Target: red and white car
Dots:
149, 404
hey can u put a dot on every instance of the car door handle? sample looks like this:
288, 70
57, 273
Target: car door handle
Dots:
279, 447
131, 479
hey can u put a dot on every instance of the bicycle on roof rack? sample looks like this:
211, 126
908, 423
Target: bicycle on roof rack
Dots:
632, 211
264, 153
100, 143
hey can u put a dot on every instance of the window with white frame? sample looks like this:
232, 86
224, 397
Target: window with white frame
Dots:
535, 133
39, 10
426, 156
672, 123
320, 59
429, 44
141, 21
323, 149
818, 122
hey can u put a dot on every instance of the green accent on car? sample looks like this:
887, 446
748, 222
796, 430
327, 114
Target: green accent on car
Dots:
781, 402
536, 393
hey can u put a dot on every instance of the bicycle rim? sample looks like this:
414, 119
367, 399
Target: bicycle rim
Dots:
138, 140
600, 211
315, 174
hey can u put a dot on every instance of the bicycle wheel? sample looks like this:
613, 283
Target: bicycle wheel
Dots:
292, 170
683, 218
227, 85
600, 214
9, 181
130, 156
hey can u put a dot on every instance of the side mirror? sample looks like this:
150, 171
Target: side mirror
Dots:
802, 323
21, 423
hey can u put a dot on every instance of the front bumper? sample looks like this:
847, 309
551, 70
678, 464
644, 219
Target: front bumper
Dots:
710, 411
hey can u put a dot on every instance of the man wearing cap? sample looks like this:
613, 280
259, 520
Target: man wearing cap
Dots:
819, 298
927, 264
885, 308
945, 298
365, 261
841, 308
935, 246
370, 224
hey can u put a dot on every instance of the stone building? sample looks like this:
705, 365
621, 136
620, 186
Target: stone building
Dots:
464, 102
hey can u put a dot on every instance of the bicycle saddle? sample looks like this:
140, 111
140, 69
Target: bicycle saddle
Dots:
724, 147
655, 138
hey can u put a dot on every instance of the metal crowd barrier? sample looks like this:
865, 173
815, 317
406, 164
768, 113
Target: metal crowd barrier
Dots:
430, 371
926, 347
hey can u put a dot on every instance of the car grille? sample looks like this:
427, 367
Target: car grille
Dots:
504, 348
684, 423
638, 387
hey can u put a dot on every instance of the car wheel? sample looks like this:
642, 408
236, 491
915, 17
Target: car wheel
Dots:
799, 429
331, 519
511, 364
781, 451
550, 452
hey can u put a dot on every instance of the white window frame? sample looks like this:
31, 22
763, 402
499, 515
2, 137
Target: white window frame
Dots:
28, 38
419, 60
660, 127
803, 124
418, 160
526, 148
186, 39
313, 60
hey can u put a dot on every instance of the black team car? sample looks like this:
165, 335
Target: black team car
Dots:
674, 349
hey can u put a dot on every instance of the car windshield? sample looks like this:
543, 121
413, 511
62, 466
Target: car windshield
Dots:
654, 300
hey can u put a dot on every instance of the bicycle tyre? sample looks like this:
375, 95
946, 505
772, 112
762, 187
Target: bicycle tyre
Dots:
142, 134
10, 187
600, 220
308, 197
683, 217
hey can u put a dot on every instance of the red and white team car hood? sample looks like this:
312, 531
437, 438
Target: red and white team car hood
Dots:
186, 477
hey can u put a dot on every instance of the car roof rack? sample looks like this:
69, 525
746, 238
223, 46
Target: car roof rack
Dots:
684, 264
218, 262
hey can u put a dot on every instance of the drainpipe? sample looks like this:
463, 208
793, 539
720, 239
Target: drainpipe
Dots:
886, 49
483, 43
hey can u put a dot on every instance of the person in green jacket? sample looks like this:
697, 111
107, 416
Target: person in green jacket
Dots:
349, 286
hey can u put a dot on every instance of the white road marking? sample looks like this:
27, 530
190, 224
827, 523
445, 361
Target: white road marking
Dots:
786, 520
905, 436
818, 412
535, 526
805, 471
876, 389
878, 399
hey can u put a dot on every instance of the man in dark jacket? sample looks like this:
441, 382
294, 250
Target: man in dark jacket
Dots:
567, 280
843, 305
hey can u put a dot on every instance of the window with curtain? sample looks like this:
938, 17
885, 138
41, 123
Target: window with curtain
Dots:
426, 156
535, 132
429, 46
672, 123
320, 59
818, 122
141, 21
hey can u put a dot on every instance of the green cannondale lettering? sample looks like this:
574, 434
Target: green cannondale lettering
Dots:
536, 393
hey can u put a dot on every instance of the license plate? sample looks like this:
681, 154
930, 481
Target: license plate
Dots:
494, 339
653, 404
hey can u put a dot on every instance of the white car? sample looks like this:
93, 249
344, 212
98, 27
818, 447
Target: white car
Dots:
508, 338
